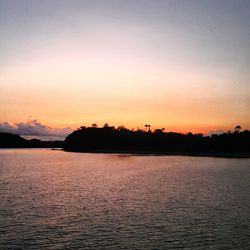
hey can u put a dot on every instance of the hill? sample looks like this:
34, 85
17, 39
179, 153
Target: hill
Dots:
8, 140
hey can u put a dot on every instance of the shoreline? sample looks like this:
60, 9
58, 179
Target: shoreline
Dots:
140, 153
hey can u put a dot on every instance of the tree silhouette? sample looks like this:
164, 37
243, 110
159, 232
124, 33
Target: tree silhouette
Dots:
159, 131
106, 125
238, 128
121, 128
121, 139
147, 126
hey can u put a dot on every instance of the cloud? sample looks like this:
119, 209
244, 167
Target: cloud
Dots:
34, 128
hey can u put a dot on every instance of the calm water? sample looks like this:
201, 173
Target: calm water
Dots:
58, 200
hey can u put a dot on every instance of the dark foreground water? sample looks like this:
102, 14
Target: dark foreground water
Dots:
58, 200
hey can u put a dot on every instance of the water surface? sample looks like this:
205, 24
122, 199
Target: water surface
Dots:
61, 200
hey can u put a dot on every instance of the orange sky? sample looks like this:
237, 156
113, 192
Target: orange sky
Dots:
77, 66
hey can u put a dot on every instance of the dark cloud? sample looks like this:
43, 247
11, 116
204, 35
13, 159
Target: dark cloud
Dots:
34, 128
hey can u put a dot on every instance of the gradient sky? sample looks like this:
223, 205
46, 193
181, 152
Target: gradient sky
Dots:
179, 64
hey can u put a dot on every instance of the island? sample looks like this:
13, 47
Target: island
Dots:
8, 140
109, 139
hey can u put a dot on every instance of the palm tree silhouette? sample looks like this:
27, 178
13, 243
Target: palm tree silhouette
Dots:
147, 126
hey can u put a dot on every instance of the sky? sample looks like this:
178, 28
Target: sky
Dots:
179, 64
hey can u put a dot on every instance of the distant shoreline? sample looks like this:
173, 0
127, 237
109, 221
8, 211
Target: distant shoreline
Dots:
140, 153
112, 141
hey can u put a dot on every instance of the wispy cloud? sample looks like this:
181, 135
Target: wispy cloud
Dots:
34, 128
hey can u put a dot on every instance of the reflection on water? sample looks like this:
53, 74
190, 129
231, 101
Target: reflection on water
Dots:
57, 200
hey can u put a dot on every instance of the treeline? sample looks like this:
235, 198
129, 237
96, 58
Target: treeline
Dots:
121, 139
8, 140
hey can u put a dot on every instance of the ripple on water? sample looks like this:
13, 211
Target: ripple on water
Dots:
58, 200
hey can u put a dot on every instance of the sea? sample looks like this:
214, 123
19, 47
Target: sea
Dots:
51, 199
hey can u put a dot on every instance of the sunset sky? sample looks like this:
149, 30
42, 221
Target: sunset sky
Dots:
179, 64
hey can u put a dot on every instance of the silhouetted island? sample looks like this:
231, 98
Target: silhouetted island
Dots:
8, 140
109, 139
